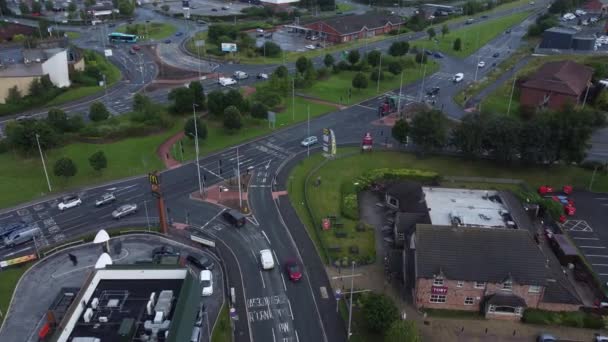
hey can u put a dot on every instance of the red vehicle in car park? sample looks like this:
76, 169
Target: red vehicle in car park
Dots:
367, 143
561, 197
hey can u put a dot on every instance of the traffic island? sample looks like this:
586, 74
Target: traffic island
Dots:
226, 193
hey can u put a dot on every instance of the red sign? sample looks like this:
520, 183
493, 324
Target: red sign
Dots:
326, 224
439, 290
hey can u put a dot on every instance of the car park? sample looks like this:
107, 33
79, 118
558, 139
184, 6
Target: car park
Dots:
458, 77
481, 64
266, 259
69, 201
105, 199
226, 81
234, 217
207, 283
240, 75
309, 141
293, 269
262, 76
202, 262
124, 210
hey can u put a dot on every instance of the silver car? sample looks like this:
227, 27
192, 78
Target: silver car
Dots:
105, 199
309, 141
124, 210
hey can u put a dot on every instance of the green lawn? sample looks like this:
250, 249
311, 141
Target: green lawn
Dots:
151, 30
498, 101
223, 329
217, 138
337, 85
325, 200
344, 7
22, 179
8, 280
74, 94
473, 37
73, 35
501, 8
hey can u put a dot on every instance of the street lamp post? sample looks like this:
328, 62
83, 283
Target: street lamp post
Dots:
105, 85
400, 92
350, 307
198, 168
308, 129
379, 71
48, 182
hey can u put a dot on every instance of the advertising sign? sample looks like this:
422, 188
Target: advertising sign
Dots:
229, 47
439, 290
202, 241
326, 142
18, 260
185, 4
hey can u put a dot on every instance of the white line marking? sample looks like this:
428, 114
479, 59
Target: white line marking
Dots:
290, 312
266, 236
273, 338
275, 256
297, 338
19, 251
360, 105
262, 277
213, 218
254, 256
582, 238
599, 265
5, 217
283, 279
596, 256
597, 247
603, 274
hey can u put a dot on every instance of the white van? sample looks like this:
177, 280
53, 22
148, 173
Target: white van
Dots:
458, 77
226, 81
196, 333
21, 236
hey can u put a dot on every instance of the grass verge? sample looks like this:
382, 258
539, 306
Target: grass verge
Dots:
73, 35
223, 330
218, 138
473, 37
151, 30
8, 281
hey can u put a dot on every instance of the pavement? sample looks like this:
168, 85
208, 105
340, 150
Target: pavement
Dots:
31, 300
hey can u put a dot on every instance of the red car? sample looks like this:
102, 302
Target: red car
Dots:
136, 47
293, 270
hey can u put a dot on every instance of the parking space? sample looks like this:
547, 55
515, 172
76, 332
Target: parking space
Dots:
289, 39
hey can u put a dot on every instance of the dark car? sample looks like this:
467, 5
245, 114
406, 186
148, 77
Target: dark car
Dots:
167, 41
203, 262
484, 16
214, 10
438, 55
508, 31
234, 217
224, 8
432, 91
429, 52
111, 25
496, 54
162, 251
293, 269
179, 34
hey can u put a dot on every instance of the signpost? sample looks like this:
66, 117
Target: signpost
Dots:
329, 143
338, 297
154, 180
229, 47
272, 119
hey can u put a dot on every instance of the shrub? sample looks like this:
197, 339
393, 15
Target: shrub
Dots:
374, 75
368, 178
259, 110
576, 319
350, 206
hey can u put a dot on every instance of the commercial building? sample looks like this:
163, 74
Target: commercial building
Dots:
554, 84
24, 66
9, 30
121, 303
352, 27
498, 272
102, 10
440, 10
567, 39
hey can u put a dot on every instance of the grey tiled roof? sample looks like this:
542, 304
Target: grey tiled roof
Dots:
479, 254
355, 23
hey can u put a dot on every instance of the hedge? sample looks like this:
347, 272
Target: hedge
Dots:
368, 178
577, 319
553, 208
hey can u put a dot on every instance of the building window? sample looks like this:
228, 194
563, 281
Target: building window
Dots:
480, 285
460, 283
438, 282
491, 308
393, 201
437, 298
469, 301
519, 310
507, 285
534, 289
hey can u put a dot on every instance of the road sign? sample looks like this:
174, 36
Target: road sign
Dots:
326, 224
153, 178
272, 119
229, 47
199, 43
338, 294
107, 52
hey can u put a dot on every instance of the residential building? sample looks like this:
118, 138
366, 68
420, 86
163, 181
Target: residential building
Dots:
27, 65
352, 27
9, 30
595, 6
555, 84
278, 3
499, 272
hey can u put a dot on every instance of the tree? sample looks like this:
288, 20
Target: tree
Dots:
182, 100
400, 131
373, 58
359, 81
98, 112
235, 98
98, 161
126, 7
57, 119
165, 8
24, 8
48, 5
445, 30
399, 48
141, 102
201, 128
402, 331
4, 8
198, 94
215, 103
65, 167
301, 64
537, 143
353, 56
431, 32
395, 68
469, 134
36, 7
328, 60
72, 7
269, 49
232, 118
457, 44
281, 72
379, 312
259, 110
429, 130
14, 95
376, 74
421, 58
22, 135
501, 138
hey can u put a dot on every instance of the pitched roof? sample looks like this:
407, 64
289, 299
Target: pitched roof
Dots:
479, 254
558, 291
501, 299
594, 5
406, 222
564, 77
355, 23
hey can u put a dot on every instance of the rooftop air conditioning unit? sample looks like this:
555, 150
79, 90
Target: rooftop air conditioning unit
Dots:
95, 303
88, 314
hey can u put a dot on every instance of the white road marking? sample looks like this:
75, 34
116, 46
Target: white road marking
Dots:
273, 338
297, 338
596, 256
275, 256
266, 236
582, 238
597, 247
603, 265
290, 312
213, 218
262, 277
19, 251
283, 279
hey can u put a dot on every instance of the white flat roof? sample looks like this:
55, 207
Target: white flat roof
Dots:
473, 207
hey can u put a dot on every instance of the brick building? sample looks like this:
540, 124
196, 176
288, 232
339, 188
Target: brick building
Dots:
554, 84
499, 272
352, 27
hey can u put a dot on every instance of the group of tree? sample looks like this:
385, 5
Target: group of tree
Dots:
66, 167
186, 99
382, 316
563, 6
399, 49
322, 5
40, 90
542, 23
223, 33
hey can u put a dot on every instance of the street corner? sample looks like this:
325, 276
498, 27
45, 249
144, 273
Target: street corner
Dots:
225, 196
277, 194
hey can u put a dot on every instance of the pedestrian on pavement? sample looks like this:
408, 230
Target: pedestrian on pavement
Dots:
73, 259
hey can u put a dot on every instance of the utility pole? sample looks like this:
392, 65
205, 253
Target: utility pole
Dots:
350, 306
308, 129
238, 174
48, 182
198, 168
143, 78
154, 180
293, 99
422, 85
105, 85
400, 92
379, 71
585, 99
511, 97
477, 68
147, 217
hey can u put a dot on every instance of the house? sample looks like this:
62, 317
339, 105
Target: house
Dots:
102, 10
556, 83
9, 30
28, 65
595, 6
352, 27
499, 272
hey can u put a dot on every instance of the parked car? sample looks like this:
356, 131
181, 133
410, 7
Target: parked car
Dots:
313, 38
481, 64
124, 210
226, 81
234, 217
293, 270
163, 251
240, 75
310, 47
262, 76
202, 262
433, 91
136, 47
309, 141
69, 201
7, 229
266, 259
207, 283
105, 199
546, 338
458, 77
438, 55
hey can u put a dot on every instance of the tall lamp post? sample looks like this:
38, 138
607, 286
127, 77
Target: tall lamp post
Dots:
198, 168
48, 181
